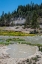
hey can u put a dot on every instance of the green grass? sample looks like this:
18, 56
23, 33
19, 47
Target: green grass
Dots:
14, 33
7, 43
20, 41
25, 43
15, 39
31, 44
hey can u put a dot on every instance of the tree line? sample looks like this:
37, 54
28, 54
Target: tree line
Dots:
30, 12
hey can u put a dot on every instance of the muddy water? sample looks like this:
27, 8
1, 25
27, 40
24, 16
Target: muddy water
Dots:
21, 50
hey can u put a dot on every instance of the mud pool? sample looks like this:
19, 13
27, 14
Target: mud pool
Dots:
21, 50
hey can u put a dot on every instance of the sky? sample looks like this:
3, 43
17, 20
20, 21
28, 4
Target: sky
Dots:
11, 5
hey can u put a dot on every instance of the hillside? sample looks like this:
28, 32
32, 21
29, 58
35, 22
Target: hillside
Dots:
23, 16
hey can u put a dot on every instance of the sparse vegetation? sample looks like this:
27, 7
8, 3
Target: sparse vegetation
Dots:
15, 39
21, 41
7, 43
35, 58
40, 48
15, 33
